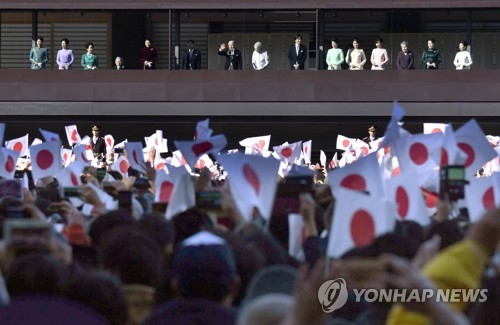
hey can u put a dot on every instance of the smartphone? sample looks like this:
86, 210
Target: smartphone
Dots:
125, 200
119, 150
71, 191
28, 235
160, 207
11, 187
19, 173
209, 201
452, 182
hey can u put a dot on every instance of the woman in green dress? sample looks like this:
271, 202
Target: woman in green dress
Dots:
89, 59
39, 55
335, 56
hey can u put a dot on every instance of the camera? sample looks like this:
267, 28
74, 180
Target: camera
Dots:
452, 182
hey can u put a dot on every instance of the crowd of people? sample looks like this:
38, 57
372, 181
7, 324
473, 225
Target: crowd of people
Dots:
114, 257
355, 58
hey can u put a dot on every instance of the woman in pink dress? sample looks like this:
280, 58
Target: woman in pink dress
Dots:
379, 56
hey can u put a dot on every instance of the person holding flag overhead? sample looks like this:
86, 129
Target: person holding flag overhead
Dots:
98, 144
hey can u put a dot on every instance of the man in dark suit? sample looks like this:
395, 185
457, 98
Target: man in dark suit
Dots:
233, 56
297, 54
97, 142
192, 58
372, 134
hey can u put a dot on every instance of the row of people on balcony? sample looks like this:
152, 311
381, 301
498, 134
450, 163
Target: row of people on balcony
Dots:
297, 55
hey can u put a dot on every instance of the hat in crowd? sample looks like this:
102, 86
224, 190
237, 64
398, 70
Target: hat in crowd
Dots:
372, 128
96, 128
279, 279
204, 255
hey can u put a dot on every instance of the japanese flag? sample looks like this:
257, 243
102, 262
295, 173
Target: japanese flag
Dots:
419, 152
135, 156
81, 154
252, 182
193, 150
164, 185
110, 142
20, 145
160, 164
72, 135
203, 132
289, 153
451, 154
255, 145
394, 130
472, 141
296, 236
49, 136
362, 175
178, 160
357, 220
155, 140
344, 143
430, 128
363, 146
322, 158
203, 162
404, 192
66, 155
306, 151
334, 163
2, 132
70, 176
46, 159
183, 194
121, 165
8, 161
482, 194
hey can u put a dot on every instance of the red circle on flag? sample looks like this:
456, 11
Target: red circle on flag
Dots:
418, 153
354, 182
10, 164
84, 157
65, 157
166, 191
44, 159
431, 200
365, 151
261, 144
345, 143
74, 179
201, 148
73, 135
108, 141
489, 199
287, 152
306, 149
160, 166
444, 157
134, 156
251, 177
403, 201
124, 166
362, 228
18, 146
469, 151
436, 130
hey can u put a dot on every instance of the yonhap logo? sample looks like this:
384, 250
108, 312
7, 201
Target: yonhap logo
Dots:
332, 295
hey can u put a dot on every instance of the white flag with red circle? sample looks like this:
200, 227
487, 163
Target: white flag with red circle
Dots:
306, 151
405, 193
322, 158
252, 182
70, 176
203, 162
363, 146
193, 150
49, 136
164, 185
66, 155
160, 164
345, 143
135, 156
357, 220
72, 135
296, 234
121, 165
451, 154
334, 163
361, 175
183, 195
8, 162
419, 153
289, 153
80, 153
430, 128
472, 141
19, 144
46, 159
255, 145
110, 142
203, 132
482, 194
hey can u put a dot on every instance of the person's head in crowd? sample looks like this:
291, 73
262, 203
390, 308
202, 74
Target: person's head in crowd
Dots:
39, 42
64, 43
355, 43
107, 222
147, 42
231, 45
189, 223
267, 309
404, 46
35, 274
190, 44
89, 46
462, 46
297, 38
378, 42
160, 230
269, 246
248, 261
449, 231
115, 174
411, 230
430, 43
131, 255
258, 47
119, 63
96, 130
101, 292
204, 268
335, 43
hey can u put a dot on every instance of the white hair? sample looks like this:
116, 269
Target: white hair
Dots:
257, 45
